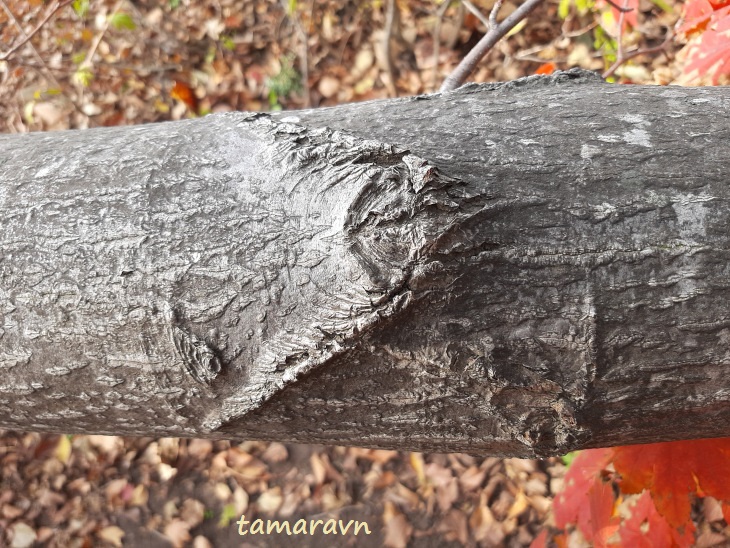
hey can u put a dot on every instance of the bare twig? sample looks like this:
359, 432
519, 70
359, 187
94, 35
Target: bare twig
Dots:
580, 32
493, 15
476, 12
391, 22
630, 55
621, 55
527, 54
620, 39
69, 68
304, 53
535, 59
469, 63
437, 41
27, 36
26, 40
624, 9
97, 39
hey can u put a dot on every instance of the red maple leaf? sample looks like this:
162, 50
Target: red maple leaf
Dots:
540, 541
697, 15
603, 523
674, 472
573, 505
713, 52
646, 528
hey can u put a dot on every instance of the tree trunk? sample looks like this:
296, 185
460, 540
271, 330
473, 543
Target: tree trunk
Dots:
509, 269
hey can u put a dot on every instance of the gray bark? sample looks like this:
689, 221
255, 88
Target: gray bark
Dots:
509, 269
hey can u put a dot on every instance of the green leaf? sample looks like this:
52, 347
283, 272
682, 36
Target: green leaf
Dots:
517, 28
122, 21
584, 6
28, 112
81, 7
210, 54
604, 41
569, 458
291, 7
228, 43
287, 81
563, 8
78, 57
662, 5
83, 76
228, 513
174, 4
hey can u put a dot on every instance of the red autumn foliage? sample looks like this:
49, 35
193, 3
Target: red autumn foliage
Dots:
708, 24
631, 16
182, 92
570, 505
674, 472
546, 68
647, 528
668, 476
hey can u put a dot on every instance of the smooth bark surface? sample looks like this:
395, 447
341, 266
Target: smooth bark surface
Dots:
508, 269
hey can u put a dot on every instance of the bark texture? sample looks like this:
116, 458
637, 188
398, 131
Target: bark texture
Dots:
510, 269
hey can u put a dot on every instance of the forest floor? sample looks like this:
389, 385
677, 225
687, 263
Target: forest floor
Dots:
103, 63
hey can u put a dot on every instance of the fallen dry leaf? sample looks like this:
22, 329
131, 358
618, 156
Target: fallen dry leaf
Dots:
270, 501
193, 512
199, 449
178, 532
318, 468
23, 535
518, 506
201, 542
472, 478
63, 449
416, 461
275, 453
111, 534
397, 529
328, 86
454, 526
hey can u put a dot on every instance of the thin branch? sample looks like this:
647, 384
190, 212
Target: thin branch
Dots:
527, 54
391, 16
541, 60
304, 53
621, 55
27, 36
621, 21
624, 9
493, 15
469, 63
580, 32
97, 39
26, 39
437, 41
476, 12
628, 56
69, 68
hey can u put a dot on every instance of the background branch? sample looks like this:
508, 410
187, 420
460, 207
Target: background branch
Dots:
469, 63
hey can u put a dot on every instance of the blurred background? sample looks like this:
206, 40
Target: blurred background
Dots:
90, 63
